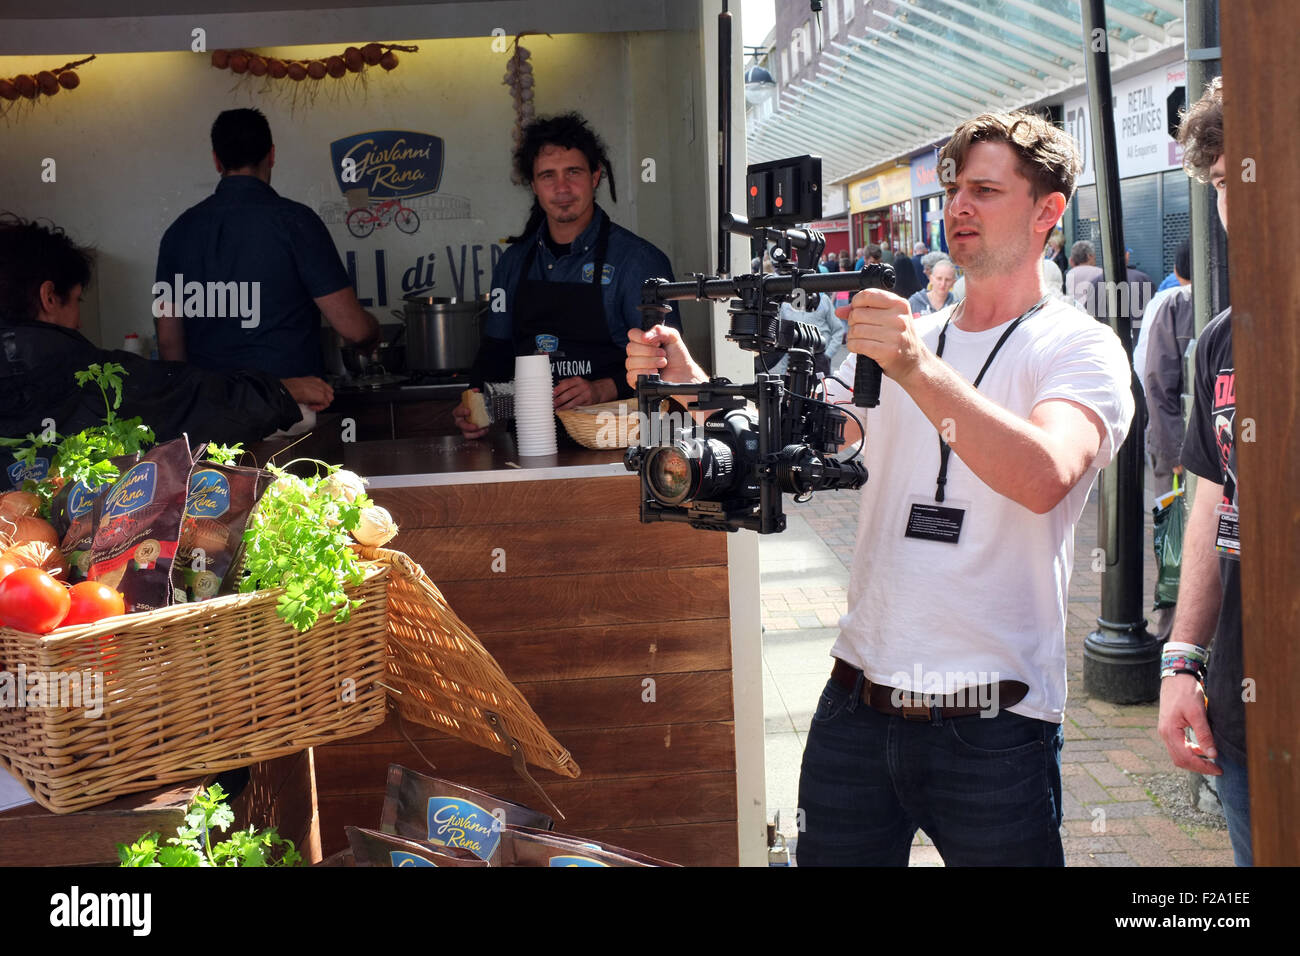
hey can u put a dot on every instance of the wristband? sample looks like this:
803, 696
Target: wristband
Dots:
1195, 651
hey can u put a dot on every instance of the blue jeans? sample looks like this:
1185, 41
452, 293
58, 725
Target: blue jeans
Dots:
987, 790
1234, 794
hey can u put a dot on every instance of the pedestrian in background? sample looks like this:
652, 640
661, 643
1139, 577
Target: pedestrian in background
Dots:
1083, 272
1056, 245
919, 249
1182, 277
943, 275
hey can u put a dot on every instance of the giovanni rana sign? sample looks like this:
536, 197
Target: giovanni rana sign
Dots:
390, 164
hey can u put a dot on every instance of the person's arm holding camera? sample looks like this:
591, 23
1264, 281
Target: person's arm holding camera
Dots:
1034, 462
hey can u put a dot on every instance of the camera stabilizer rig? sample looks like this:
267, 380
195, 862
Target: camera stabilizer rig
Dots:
731, 471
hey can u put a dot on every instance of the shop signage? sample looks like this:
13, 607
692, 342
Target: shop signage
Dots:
388, 164
1140, 105
830, 225
925, 174
883, 189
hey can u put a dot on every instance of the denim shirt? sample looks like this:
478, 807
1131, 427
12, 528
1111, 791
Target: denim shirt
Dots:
629, 261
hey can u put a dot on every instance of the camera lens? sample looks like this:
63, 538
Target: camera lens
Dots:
690, 468
669, 472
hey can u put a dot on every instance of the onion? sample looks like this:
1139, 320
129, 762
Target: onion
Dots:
388, 61
30, 529
48, 82
221, 59
297, 71
20, 504
353, 59
38, 554
8, 90
26, 86
344, 485
335, 66
376, 527
69, 79
316, 69
371, 53
277, 69
257, 65
238, 63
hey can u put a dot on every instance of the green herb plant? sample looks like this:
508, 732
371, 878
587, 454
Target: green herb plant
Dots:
297, 539
86, 455
193, 846
223, 454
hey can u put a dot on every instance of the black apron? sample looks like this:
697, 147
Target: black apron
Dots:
566, 320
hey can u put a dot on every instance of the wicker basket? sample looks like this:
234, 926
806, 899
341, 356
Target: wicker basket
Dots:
444, 678
608, 425
188, 691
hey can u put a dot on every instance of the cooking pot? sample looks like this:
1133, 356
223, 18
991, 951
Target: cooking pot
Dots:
348, 360
442, 333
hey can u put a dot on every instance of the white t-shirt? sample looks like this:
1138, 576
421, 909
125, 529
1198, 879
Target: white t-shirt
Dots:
1140, 349
929, 616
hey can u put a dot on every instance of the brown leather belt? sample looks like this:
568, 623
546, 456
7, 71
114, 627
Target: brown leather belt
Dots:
920, 706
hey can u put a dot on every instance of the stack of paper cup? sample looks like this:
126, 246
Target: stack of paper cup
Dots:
534, 406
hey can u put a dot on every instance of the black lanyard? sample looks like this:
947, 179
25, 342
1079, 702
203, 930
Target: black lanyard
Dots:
944, 449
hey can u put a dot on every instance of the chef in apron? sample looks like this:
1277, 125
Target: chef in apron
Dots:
573, 278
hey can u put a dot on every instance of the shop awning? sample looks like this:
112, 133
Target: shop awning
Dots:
929, 64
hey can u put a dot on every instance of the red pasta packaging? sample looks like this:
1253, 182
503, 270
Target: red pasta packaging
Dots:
140, 525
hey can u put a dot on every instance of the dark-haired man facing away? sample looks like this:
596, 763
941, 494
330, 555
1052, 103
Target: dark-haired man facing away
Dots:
278, 255
572, 279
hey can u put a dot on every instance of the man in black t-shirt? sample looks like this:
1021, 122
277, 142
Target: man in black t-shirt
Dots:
253, 272
1209, 594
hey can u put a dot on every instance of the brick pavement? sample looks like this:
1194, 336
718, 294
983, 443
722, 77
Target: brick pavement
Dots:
1110, 818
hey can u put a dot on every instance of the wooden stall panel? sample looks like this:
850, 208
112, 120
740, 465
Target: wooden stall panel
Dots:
538, 549
359, 764
611, 650
507, 502
636, 597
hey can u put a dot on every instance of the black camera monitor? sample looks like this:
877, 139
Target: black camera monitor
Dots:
784, 192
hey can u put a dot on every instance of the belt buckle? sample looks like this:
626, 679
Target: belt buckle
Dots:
913, 711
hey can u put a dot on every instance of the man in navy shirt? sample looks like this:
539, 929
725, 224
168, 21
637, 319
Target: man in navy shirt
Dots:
256, 271
545, 291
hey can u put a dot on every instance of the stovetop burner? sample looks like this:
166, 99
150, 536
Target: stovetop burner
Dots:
368, 382
411, 380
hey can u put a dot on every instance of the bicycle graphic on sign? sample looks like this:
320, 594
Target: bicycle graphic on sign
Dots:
362, 222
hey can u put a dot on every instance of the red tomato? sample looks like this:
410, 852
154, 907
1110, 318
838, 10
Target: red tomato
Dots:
32, 601
91, 601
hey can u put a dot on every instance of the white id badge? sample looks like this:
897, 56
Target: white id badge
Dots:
931, 520
1227, 537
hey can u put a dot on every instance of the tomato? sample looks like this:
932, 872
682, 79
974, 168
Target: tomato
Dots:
32, 601
91, 601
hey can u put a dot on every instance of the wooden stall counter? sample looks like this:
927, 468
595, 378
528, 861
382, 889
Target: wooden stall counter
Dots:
617, 633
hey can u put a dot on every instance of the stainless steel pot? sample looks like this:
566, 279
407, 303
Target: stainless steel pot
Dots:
442, 334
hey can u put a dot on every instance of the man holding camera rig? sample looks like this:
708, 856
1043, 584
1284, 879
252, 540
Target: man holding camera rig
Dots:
947, 694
